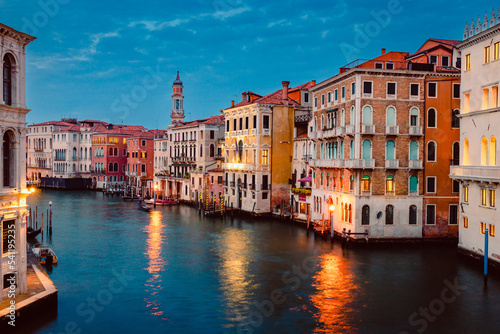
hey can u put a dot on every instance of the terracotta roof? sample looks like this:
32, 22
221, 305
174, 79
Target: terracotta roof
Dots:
445, 41
304, 135
216, 170
72, 127
60, 123
302, 87
276, 98
211, 120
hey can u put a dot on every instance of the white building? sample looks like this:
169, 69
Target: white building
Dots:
479, 170
13, 192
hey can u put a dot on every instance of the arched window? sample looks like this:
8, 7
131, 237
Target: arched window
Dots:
389, 184
389, 150
315, 124
484, 151
455, 120
74, 153
431, 118
212, 150
351, 149
493, 151
389, 215
413, 150
8, 159
341, 150
115, 167
322, 122
110, 151
413, 215
342, 117
352, 116
466, 152
367, 149
115, 152
391, 116
201, 150
342, 211
321, 153
456, 154
365, 184
365, 215
367, 115
110, 167
7, 79
350, 213
413, 184
431, 151
86, 151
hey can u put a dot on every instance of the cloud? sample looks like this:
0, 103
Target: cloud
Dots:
143, 51
324, 33
224, 14
157, 25
282, 22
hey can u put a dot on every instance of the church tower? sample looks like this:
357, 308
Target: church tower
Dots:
177, 101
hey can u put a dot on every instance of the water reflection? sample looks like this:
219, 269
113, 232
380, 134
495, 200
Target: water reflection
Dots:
156, 262
334, 296
235, 252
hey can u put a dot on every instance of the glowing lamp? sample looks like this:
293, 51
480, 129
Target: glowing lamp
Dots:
332, 207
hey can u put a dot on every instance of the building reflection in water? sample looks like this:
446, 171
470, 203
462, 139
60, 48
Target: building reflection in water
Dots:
156, 263
335, 294
236, 281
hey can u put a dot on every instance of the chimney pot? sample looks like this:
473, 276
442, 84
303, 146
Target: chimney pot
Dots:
232, 103
244, 96
383, 51
314, 82
284, 96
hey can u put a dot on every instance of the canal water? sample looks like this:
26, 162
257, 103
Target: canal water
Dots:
122, 270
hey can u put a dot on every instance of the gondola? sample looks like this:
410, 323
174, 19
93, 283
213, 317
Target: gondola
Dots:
143, 207
32, 233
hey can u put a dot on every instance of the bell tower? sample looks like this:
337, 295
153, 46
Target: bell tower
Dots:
177, 114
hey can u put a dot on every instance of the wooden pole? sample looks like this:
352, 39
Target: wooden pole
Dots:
323, 223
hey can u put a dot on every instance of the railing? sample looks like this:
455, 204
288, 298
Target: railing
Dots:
265, 187
237, 166
349, 129
239, 132
232, 133
340, 130
252, 186
360, 163
245, 132
415, 164
329, 133
253, 131
266, 132
392, 163
415, 131
231, 184
480, 173
392, 129
367, 128
413, 193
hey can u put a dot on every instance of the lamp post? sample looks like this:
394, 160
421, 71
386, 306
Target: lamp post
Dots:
332, 208
154, 195
50, 218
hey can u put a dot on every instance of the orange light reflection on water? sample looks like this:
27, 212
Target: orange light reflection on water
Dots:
335, 292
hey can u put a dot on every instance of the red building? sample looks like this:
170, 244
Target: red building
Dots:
140, 160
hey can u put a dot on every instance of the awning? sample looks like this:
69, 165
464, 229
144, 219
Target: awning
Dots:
331, 110
306, 179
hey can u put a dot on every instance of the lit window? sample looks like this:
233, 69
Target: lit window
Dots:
467, 62
365, 183
265, 157
483, 197
492, 230
496, 51
492, 198
465, 222
465, 194
487, 54
483, 227
389, 184
466, 103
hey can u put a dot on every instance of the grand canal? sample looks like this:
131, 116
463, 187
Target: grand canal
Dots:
122, 270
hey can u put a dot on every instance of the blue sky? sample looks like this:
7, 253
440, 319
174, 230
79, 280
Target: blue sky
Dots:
116, 60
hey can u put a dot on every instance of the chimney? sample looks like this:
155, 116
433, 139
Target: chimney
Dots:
383, 51
232, 103
244, 96
314, 82
284, 97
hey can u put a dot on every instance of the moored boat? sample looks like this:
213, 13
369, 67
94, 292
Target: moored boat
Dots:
44, 254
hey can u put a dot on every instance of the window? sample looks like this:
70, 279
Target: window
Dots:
487, 54
413, 215
255, 121
265, 122
431, 118
484, 151
431, 184
466, 102
389, 215
246, 124
453, 217
493, 151
389, 184
391, 89
265, 160
367, 115
483, 196
467, 62
389, 66
492, 230
430, 214
492, 198
433, 59
329, 97
212, 134
465, 194
353, 88
465, 222
390, 116
431, 151
414, 91
455, 120
379, 66
456, 91
323, 99
482, 227
496, 54
336, 94
445, 61
390, 150
456, 186
367, 149
365, 184
343, 92
227, 126
7, 79
365, 215
316, 102
306, 97
414, 117
432, 89
367, 87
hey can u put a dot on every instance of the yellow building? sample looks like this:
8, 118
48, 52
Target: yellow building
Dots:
258, 148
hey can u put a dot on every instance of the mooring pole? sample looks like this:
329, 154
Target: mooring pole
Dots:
485, 257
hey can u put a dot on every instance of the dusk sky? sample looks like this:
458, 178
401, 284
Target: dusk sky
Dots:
93, 59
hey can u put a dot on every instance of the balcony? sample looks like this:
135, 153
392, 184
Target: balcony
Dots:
392, 163
266, 132
251, 186
265, 187
328, 133
349, 129
231, 184
329, 163
340, 130
245, 132
307, 157
415, 131
238, 167
476, 173
232, 134
253, 132
239, 132
391, 130
415, 164
367, 129
360, 163
413, 193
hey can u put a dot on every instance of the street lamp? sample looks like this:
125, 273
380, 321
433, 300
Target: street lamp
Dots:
332, 208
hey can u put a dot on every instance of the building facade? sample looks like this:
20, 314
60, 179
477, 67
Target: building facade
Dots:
479, 169
13, 192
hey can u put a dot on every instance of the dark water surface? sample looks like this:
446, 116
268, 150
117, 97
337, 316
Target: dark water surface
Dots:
122, 270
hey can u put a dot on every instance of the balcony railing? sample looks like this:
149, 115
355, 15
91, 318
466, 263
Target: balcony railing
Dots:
360, 163
415, 164
329, 133
392, 163
415, 131
349, 129
476, 173
240, 167
231, 184
368, 128
413, 193
266, 132
392, 129
251, 186
245, 132
253, 131
340, 130
265, 187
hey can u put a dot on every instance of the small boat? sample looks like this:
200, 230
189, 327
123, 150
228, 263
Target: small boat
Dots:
143, 207
44, 254
32, 233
